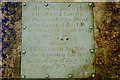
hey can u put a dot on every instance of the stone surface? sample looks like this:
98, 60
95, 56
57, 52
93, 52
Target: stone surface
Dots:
57, 40
60, 0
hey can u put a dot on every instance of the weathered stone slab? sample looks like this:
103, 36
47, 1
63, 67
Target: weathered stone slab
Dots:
57, 39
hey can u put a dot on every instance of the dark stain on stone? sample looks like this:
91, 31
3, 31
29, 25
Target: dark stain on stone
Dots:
67, 39
61, 39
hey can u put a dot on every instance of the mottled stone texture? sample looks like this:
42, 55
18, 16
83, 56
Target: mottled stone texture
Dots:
107, 40
11, 39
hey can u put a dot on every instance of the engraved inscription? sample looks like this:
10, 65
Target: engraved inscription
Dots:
57, 40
